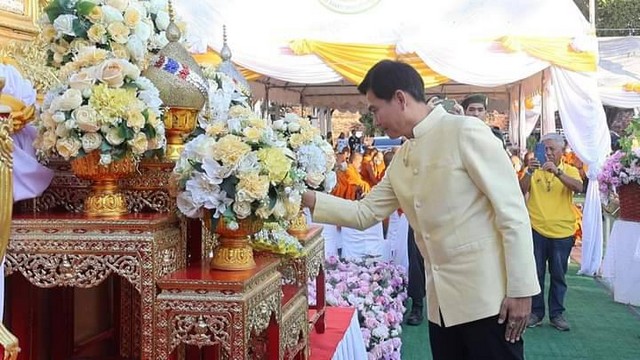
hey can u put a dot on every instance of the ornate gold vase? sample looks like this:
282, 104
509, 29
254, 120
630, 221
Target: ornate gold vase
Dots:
298, 226
178, 122
105, 198
234, 251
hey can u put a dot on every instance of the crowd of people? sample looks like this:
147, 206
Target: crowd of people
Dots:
488, 222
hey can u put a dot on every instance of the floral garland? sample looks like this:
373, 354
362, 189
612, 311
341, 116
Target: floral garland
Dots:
378, 291
623, 166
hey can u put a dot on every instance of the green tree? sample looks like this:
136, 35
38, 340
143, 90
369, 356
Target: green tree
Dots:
369, 127
614, 17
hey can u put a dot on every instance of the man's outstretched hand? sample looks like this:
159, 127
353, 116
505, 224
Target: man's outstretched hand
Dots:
515, 311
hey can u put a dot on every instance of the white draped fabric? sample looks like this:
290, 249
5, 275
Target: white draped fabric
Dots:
618, 65
621, 266
352, 344
585, 127
397, 234
357, 244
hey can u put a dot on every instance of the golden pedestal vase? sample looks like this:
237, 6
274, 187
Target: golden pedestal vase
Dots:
105, 199
298, 226
178, 122
234, 251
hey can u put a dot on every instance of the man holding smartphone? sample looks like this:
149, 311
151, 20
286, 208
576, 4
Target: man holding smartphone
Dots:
551, 184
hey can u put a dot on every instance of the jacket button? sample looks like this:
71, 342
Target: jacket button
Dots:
415, 171
417, 204
436, 267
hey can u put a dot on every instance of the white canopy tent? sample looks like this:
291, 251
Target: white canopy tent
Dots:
482, 43
619, 65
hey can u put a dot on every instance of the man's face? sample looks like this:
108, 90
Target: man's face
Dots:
553, 151
476, 109
386, 114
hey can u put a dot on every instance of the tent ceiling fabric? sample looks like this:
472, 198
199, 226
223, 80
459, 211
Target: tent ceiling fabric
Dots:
619, 64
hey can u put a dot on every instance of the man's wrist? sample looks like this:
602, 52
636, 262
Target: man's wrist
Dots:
559, 172
530, 171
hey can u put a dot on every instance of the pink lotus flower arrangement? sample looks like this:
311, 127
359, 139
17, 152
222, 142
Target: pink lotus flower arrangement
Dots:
378, 291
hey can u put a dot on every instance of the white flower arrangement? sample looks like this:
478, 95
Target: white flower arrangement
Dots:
315, 157
130, 29
106, 107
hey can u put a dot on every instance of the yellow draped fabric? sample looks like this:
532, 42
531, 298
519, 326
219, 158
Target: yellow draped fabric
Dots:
632, 87
20, 113
212, 58
557, 51
352, 61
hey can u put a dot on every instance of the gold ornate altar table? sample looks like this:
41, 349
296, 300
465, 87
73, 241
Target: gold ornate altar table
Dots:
203, 307
72, 250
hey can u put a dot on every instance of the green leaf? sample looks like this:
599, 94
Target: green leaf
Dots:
196, 165
105, 147
53, 10
229, 186
84, 8
150, 131
273, 197
80, 28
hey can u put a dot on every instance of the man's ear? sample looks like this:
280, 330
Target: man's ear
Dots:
401, 97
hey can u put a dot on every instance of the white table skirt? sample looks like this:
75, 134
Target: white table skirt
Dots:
621, 265
351, 347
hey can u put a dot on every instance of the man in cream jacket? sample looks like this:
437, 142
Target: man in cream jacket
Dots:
462, 198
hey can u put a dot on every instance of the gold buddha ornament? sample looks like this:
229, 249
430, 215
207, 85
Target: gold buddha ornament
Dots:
182, 86
8, 341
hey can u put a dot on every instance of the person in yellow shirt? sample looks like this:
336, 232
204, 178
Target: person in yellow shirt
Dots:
550, 187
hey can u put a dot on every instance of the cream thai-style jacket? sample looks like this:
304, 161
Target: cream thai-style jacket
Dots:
460, 193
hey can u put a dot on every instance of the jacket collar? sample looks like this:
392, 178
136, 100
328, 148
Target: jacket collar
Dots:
426, 124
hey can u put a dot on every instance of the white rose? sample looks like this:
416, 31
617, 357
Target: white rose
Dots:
139, 144
279, 125
156, 5
68, 147
119, 32
71, 124
314, 179
264, 211
279, 209
242, 209
187, 206
136, 47
91, 141
120, 5
132, 16
81, 80
47, 120
158, 41
135, 120
111, 72
59, 117
293, 127
64, 24
71, 99
87, 118
330, 181
130, 70
162, 20
62, 131
105, 159
143, 31
113, 137
111, 14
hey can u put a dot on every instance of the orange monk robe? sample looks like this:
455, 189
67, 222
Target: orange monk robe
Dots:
350, 184
379, 170
367, 170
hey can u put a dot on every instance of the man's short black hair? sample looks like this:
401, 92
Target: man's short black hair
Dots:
386, 77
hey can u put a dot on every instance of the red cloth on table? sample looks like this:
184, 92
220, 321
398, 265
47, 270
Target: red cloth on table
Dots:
323, 346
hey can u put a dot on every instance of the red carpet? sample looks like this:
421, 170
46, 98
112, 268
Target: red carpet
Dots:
323, 346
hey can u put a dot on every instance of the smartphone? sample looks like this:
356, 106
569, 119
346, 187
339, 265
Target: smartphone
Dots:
448, 104
540, 153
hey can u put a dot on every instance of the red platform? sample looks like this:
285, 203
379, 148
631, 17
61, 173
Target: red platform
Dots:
323, 346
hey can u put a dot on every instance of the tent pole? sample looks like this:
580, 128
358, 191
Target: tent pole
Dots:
522, 143
592, 15
543, 127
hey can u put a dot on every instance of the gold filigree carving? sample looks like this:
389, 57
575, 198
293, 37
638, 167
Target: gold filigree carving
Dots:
30, 58
295, 327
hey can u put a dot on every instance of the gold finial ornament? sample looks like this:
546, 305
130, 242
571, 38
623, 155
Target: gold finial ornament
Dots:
8, 341
182, 86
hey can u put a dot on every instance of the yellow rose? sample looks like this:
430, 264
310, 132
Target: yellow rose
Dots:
252, 187
48, 140
47, 120
275, 163
258, 123
91, 141
48, 33
90, 55
132, 17
296, 140
239, 111
113, 137
253, 134
139, 144
111, 72
152, 118
82, 80
135, 120
119, 32
97, 33
230, 149
120, 51
95, 15
86, 118
79, 44
217, 128
264, 211
68, 147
